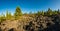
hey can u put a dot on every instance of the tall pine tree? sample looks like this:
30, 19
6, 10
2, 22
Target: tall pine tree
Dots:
17, 13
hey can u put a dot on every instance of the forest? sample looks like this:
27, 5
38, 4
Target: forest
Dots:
48, 20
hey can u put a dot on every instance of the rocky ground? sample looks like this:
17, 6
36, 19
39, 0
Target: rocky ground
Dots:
15, 25
44, 23
37, 23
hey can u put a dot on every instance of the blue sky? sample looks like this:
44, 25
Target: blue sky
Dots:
28, 5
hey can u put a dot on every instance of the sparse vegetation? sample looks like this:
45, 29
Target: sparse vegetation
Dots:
19, 13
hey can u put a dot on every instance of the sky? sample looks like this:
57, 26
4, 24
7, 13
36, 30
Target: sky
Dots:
28, 5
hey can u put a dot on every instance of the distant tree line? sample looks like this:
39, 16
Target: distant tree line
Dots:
49, 12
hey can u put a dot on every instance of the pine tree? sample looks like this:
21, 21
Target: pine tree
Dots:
17, 13
2, 15
58, 11
38, 13
42, 13
2, 18
55, 12
8, 15
49, 12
